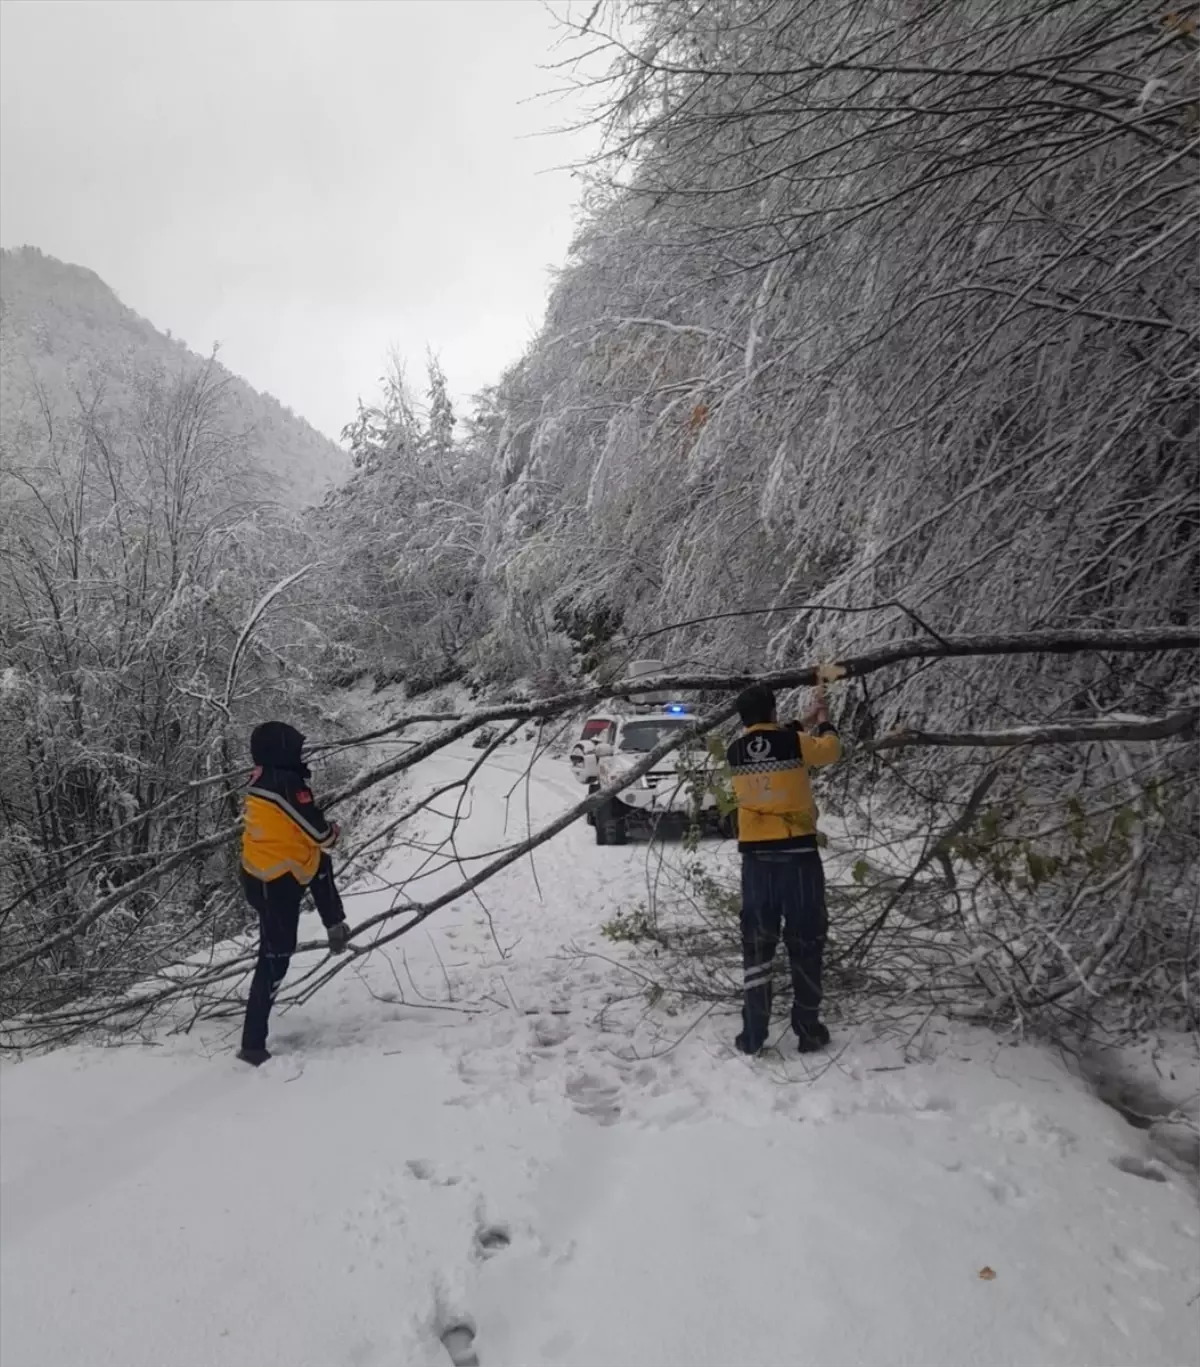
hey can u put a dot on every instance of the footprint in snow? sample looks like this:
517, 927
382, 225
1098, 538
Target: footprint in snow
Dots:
592, 1095
490, 1240
549, 1032
424, 1171
458, 1339
1140, 1167
1003, 1190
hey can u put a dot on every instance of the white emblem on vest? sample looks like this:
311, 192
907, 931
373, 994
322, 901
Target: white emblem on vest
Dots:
758, 747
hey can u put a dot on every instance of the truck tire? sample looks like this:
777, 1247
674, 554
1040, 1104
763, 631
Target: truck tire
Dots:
611, 826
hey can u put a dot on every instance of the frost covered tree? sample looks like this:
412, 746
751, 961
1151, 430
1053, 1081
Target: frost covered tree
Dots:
883, 317
441, 412
876, 301
407, 525
134, 550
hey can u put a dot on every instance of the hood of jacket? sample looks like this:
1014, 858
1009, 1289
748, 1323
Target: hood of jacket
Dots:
276, 745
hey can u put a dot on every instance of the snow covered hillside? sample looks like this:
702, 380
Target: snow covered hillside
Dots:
64, 330
480, 1145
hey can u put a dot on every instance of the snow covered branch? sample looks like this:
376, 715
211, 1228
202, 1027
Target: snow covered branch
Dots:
1104, 729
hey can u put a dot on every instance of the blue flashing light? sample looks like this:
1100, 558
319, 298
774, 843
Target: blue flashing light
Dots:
677, 709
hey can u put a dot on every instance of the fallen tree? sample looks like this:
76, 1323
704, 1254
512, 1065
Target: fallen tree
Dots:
24, 969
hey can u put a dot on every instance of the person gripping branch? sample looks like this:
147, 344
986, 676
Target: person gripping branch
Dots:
783, 880
286, 841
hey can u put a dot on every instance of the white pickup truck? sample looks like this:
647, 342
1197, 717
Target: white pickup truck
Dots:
613, 742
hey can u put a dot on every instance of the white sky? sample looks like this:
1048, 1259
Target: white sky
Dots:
305, 182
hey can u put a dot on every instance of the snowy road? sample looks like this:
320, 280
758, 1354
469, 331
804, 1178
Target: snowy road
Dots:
524, 1164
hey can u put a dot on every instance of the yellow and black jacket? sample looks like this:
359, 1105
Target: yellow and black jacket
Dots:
285, 831
769, 765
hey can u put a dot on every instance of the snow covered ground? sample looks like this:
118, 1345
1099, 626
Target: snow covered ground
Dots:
533, 1156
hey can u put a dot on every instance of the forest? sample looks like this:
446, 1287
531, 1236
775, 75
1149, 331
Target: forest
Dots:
873, 361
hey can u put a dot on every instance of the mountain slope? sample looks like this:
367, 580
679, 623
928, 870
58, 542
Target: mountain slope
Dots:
63, 328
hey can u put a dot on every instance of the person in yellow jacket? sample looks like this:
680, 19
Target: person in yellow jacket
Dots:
783, 881
286, 839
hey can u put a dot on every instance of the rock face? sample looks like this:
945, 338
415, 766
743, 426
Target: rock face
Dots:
64, 332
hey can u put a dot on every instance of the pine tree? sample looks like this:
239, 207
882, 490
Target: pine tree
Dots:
440, 431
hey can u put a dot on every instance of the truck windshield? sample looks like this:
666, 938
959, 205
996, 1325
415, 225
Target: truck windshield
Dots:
640, 737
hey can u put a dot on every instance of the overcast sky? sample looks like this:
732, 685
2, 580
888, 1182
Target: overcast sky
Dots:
305, 182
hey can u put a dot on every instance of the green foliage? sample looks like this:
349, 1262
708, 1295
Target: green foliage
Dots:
633, 928
705, 773
590, 627
719, 899
1071, 840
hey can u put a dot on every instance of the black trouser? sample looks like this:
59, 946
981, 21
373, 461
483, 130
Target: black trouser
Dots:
785, 888
278, 907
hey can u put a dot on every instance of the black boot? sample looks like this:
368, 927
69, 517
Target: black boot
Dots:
745, 1045
812, 1037
257, 1057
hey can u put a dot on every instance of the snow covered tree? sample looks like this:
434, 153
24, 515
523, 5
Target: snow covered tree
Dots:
134, 549
887, 314
440, 439
408, 528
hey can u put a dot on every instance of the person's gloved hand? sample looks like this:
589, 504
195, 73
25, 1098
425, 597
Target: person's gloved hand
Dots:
337, 834
339, 937
817, 713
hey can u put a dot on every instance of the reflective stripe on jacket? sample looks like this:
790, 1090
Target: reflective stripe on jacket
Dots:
285, 831
769, 765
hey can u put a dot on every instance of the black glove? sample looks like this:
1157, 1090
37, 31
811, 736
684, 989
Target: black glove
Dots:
339, 938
